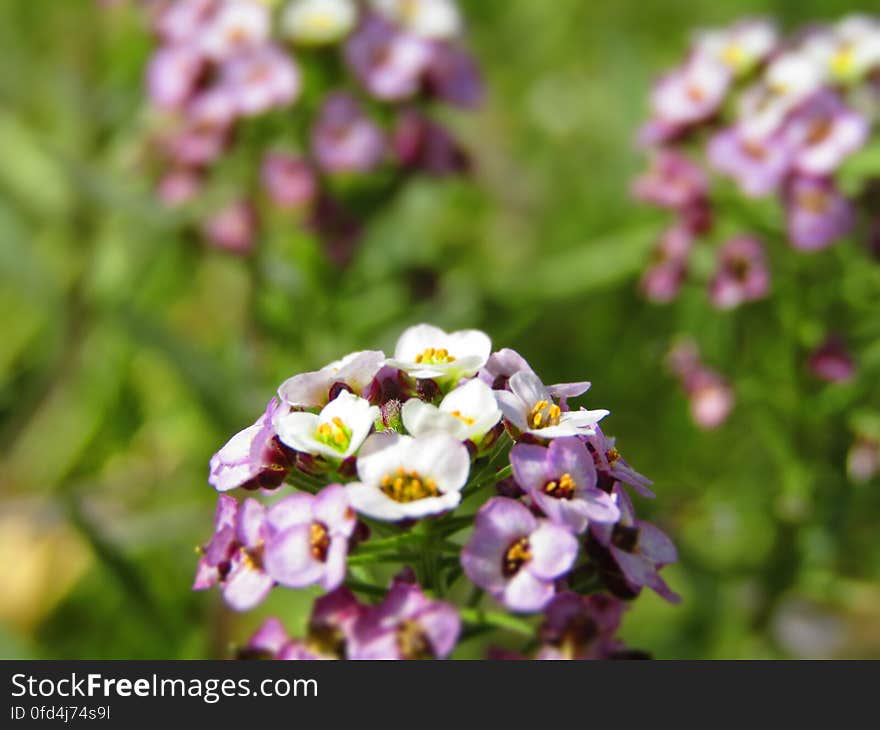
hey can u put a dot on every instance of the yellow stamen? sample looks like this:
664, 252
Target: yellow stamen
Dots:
432, 356
613, 456
517, 555
412, 641
544, 414
319, 541
334, 433
408, 486
563, 488
464, 419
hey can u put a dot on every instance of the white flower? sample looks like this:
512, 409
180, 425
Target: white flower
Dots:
336, 433
312, 390
740, 47
435, 19
315, 22
469, 412
425, 351
237, 26
405, 477
851, 51
529, 406
693, 92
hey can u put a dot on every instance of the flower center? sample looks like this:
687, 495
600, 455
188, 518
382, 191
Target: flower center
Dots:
252, 558
813, 201
516, 556
335, 434
434, 356
613, 456
625, 538
325, 639
319, 541
562, 488
733, 56
819, 131
412, 641
467, 420
842, 62
543, 414
408, 486
695, 93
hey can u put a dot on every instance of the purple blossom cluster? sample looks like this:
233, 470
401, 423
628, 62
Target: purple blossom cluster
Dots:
776, 116
325, 72
459, 466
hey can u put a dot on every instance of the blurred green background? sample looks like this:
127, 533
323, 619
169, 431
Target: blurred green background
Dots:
130, 353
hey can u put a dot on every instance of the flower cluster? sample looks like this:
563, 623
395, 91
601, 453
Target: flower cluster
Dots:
710, 396
775, 116
319, 75
458, 466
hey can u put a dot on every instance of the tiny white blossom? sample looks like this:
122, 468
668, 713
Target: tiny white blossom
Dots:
469, 412
312, 390
435, 19
316, 22
336, 433
425, 351
529, 406
406, 477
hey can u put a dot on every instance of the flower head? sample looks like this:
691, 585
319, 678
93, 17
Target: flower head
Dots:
251, 458
469, 412
344, 139
405, 477
581, 627
817, 213
742, 274
515, 556
832, 361
387, 62
309, 540
234, 556
406, 625
425, 351
435, 19
312, 390
335, 433
318, 22
529, 406
561, 480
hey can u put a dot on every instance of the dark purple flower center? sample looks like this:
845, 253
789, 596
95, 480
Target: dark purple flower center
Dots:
515, 557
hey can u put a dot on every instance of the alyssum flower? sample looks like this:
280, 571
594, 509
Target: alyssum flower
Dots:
394, 462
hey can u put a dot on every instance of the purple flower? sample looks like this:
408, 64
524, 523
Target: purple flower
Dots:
234, 556
691, 94
823, 132
528, 406
863, 459
344, 139
232, 228
309, 541
265, 78
388, 63
673, 181
742, 274
710, 396
817, 214
581, 627
515, 556
327, 635
561, 480
832, 361
452, 76
289, 180
172, 75
252, 458
635, 548
612, 467
178, 186
182, 21
354, 372
406, 625
504, 364
422, 144
757, 165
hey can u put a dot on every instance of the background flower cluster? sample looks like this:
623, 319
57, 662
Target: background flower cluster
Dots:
389, 457
317, 109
